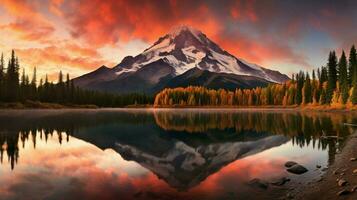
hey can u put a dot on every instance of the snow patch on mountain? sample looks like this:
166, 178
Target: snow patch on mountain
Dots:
165, 46
126, 70
226, 64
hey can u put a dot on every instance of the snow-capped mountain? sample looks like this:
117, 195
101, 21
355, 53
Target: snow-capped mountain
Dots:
182, 50
184, 166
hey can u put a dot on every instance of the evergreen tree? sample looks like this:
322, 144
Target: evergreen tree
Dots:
342, 77
300, 77
34, 77
60, 78
67, 89
307, 90
315, 89
332, 75
12, 85
33, 85
324, 75
352, 64
61, 87
23, 85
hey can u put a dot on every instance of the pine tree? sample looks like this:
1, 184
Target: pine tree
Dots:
352, 64
33, 85
68, 87
307, 90
12, 85
60, 78
34, 77
23, 77
315, 89
332, 75
61, 87
324, 75
342, 77
300, 84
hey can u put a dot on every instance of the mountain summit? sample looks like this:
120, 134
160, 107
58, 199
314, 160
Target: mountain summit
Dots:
183, 57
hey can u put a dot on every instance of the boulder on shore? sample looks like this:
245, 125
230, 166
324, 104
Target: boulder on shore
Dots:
343, 192
290, 164
297, 169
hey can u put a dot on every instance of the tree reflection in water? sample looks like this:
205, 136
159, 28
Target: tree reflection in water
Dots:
195, 128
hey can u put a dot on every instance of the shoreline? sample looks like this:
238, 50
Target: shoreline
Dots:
55, 106
327, 187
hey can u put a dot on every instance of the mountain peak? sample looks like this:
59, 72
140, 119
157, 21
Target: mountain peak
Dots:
178, 38
183, 49
183, 28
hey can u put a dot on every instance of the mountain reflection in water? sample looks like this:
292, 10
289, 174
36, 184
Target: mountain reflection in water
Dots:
189, 150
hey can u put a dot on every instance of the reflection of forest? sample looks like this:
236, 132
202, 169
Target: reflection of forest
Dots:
304, 129
9, 141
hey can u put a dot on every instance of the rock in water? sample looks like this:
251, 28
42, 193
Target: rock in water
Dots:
290, 164
343, 192
324, 169
258, 183
342, 182
297, 169
280, 181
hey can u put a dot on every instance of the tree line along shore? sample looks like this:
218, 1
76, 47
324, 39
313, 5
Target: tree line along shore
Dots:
329, 87
18, 91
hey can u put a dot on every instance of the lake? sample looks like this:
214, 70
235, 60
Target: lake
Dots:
163, 154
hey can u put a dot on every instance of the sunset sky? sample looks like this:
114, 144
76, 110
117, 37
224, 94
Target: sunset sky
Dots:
79, 36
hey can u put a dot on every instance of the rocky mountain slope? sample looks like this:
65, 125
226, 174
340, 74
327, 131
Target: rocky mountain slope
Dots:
185, 56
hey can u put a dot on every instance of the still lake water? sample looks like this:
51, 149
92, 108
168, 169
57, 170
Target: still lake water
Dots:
162, 154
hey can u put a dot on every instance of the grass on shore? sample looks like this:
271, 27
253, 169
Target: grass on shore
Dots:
41, 105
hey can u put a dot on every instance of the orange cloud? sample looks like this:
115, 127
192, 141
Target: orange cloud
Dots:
106, 22
54, 7
29, 24
69, 58
101, 23
253, 50
59, 56
260, 32
26, 31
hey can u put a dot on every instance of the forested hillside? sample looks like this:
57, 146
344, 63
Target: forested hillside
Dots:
333, 84
16, 88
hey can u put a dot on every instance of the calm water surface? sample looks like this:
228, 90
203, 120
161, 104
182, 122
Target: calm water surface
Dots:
161, 154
